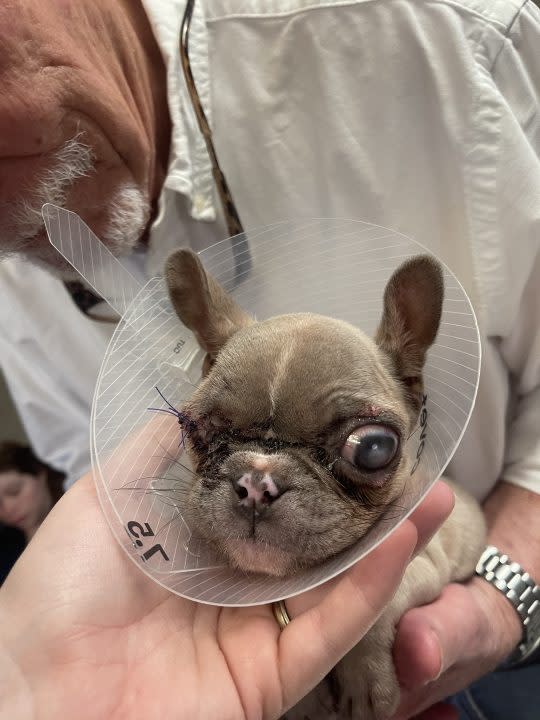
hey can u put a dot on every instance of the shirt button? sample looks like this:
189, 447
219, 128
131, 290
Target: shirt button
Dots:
199, 203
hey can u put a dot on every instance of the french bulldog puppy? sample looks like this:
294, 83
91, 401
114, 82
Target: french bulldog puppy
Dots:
298, 437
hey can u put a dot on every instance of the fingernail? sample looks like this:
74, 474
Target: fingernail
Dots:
435, 641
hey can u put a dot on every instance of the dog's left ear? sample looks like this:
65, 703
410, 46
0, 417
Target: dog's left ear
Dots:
201, 303
412, 312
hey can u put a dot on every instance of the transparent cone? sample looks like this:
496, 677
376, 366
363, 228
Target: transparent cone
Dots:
331, 267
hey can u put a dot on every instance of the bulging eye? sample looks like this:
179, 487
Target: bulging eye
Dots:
370, 447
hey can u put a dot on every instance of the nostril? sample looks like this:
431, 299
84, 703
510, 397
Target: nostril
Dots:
267, 497
241, 491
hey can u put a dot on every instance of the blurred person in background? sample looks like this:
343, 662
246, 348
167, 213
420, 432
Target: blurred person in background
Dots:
29, 488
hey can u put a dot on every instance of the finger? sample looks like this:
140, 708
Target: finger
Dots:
432, 638
417, 651
318, 638
432, 512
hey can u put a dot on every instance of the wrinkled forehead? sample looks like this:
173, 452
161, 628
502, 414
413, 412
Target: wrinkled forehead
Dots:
301, 372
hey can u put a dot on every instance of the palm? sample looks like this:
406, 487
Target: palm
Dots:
114, 644
94, 638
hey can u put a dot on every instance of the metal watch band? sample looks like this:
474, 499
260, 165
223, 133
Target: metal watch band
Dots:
520, 589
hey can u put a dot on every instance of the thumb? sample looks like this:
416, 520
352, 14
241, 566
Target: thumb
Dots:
430, 639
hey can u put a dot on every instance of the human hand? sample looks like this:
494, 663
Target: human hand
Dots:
86, 634
443, 647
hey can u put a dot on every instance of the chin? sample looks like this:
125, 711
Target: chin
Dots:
118, 219
257, 557
45, 256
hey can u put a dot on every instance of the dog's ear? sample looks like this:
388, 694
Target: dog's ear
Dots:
412, 312
201, 303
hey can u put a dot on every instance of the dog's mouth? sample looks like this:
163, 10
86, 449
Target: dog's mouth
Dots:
256, 545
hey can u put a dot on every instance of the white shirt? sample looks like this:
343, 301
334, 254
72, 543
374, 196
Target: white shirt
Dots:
419, 115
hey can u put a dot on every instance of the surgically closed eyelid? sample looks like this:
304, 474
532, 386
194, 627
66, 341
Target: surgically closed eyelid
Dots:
371, 448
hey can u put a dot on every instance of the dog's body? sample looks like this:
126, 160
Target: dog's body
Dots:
298, 436
363, 686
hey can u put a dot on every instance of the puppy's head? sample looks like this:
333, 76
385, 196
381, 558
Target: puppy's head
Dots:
298, 430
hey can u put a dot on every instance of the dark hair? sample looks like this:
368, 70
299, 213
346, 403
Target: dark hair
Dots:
21, 458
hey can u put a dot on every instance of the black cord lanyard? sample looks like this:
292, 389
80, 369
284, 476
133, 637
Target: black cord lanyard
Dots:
240, 247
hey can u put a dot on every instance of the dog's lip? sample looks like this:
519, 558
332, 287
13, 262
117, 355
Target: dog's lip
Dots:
263, 533
252, 555
257, 533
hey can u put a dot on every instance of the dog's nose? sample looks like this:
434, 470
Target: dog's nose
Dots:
256, 490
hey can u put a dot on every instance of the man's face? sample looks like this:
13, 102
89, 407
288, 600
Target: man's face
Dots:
83, 120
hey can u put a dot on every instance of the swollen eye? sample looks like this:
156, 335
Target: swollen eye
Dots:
371, 447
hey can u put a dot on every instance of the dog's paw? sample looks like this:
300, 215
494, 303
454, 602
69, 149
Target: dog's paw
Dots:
380, 697
371, 679
361, 687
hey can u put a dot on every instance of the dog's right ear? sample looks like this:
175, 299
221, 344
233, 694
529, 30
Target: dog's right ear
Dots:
201, 303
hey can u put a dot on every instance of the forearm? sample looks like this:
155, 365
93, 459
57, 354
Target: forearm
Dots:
512, 517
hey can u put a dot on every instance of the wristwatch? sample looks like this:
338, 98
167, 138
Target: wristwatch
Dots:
524, 594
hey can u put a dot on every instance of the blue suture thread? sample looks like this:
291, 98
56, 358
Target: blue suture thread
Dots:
174, 410
183, 418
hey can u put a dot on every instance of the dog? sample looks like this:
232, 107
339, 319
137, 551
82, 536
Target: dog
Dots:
297, 433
